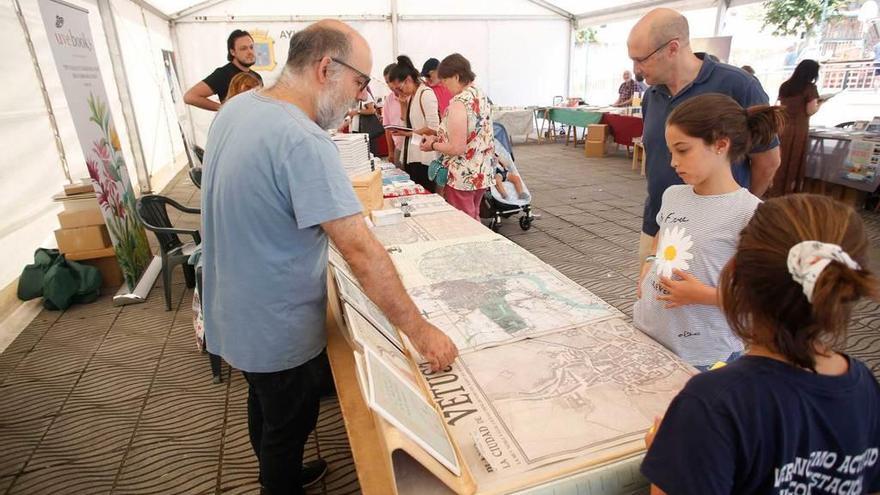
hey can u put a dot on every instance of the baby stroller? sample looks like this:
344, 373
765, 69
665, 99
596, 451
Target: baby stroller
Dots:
495, 206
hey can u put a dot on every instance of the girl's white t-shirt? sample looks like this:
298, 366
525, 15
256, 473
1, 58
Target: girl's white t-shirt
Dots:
700, 232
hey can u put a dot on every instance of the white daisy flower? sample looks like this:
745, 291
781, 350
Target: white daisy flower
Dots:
672, 252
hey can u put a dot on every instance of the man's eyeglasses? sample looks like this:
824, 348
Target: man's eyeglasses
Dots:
645, 59
365, 79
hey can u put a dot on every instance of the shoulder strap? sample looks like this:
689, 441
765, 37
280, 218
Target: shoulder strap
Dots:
422, 105
408, 108
406, 140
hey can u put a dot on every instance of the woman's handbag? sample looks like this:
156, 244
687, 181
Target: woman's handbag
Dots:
438, 173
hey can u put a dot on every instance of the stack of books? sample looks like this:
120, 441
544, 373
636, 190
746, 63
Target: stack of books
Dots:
83, 236
354, 151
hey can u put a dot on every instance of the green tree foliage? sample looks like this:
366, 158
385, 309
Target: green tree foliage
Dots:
797, 17
588, 35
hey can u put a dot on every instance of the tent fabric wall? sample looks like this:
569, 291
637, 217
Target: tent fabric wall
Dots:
31, 171
142, 37
510, 57
203, 48
30, 166
517, 61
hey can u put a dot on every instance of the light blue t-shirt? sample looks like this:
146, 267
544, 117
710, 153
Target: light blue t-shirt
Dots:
271, 177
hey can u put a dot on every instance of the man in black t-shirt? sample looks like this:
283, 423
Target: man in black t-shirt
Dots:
240, 54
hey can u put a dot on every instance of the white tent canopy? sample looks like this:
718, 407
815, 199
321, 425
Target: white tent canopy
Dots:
521, 51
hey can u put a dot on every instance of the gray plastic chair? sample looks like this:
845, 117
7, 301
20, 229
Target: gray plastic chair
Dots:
152, 210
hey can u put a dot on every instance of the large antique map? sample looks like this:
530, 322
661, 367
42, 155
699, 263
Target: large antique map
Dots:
488, 291
589, 392
445, 224
552, 385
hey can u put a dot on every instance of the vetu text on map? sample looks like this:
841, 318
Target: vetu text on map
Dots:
448, 397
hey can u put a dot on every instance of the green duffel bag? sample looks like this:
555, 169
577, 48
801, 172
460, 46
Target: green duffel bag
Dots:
30, 284
63, 282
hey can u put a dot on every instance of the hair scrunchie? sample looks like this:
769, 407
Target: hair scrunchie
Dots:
807, 259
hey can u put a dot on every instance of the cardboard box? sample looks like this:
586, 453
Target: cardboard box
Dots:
78, 188
368, 188
81, 218
79, 202
594, 149
82, 238
105, 261
90, 255
111, 274
597, 132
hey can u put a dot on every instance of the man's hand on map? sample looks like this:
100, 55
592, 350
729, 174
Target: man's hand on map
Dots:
433, 345
686, 290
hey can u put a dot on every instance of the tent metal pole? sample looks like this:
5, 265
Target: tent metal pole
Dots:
46, 100
195, 8
631, 10
568, 54
637, 9
119, 74
175, 44
492, 17
395, 35
279, 18
553, 8
721, 16
163, 97
153, 10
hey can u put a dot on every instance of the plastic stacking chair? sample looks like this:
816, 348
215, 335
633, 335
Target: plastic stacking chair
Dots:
195, 174
152, 211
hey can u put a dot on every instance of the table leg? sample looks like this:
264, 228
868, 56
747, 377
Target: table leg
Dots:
536, 128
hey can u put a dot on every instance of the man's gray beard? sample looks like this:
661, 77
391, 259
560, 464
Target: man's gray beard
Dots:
332, 107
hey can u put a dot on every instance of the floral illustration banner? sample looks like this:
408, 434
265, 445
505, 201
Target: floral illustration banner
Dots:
73, 49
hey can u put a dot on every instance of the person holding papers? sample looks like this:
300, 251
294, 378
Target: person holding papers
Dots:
466, 139
422, 115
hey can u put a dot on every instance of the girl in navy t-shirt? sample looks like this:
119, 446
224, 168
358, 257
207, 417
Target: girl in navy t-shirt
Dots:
792, 416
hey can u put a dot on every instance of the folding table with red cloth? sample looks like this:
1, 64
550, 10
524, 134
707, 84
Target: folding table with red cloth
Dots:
623, 128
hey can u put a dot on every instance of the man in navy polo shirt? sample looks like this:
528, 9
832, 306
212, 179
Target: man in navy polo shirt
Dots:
659, 46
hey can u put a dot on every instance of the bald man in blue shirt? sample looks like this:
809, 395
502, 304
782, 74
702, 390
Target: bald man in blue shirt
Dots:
659, 46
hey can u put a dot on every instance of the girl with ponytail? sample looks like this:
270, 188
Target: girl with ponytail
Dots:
700, 223
793, 415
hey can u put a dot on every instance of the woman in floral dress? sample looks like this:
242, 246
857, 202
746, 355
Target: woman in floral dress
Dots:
465, 138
